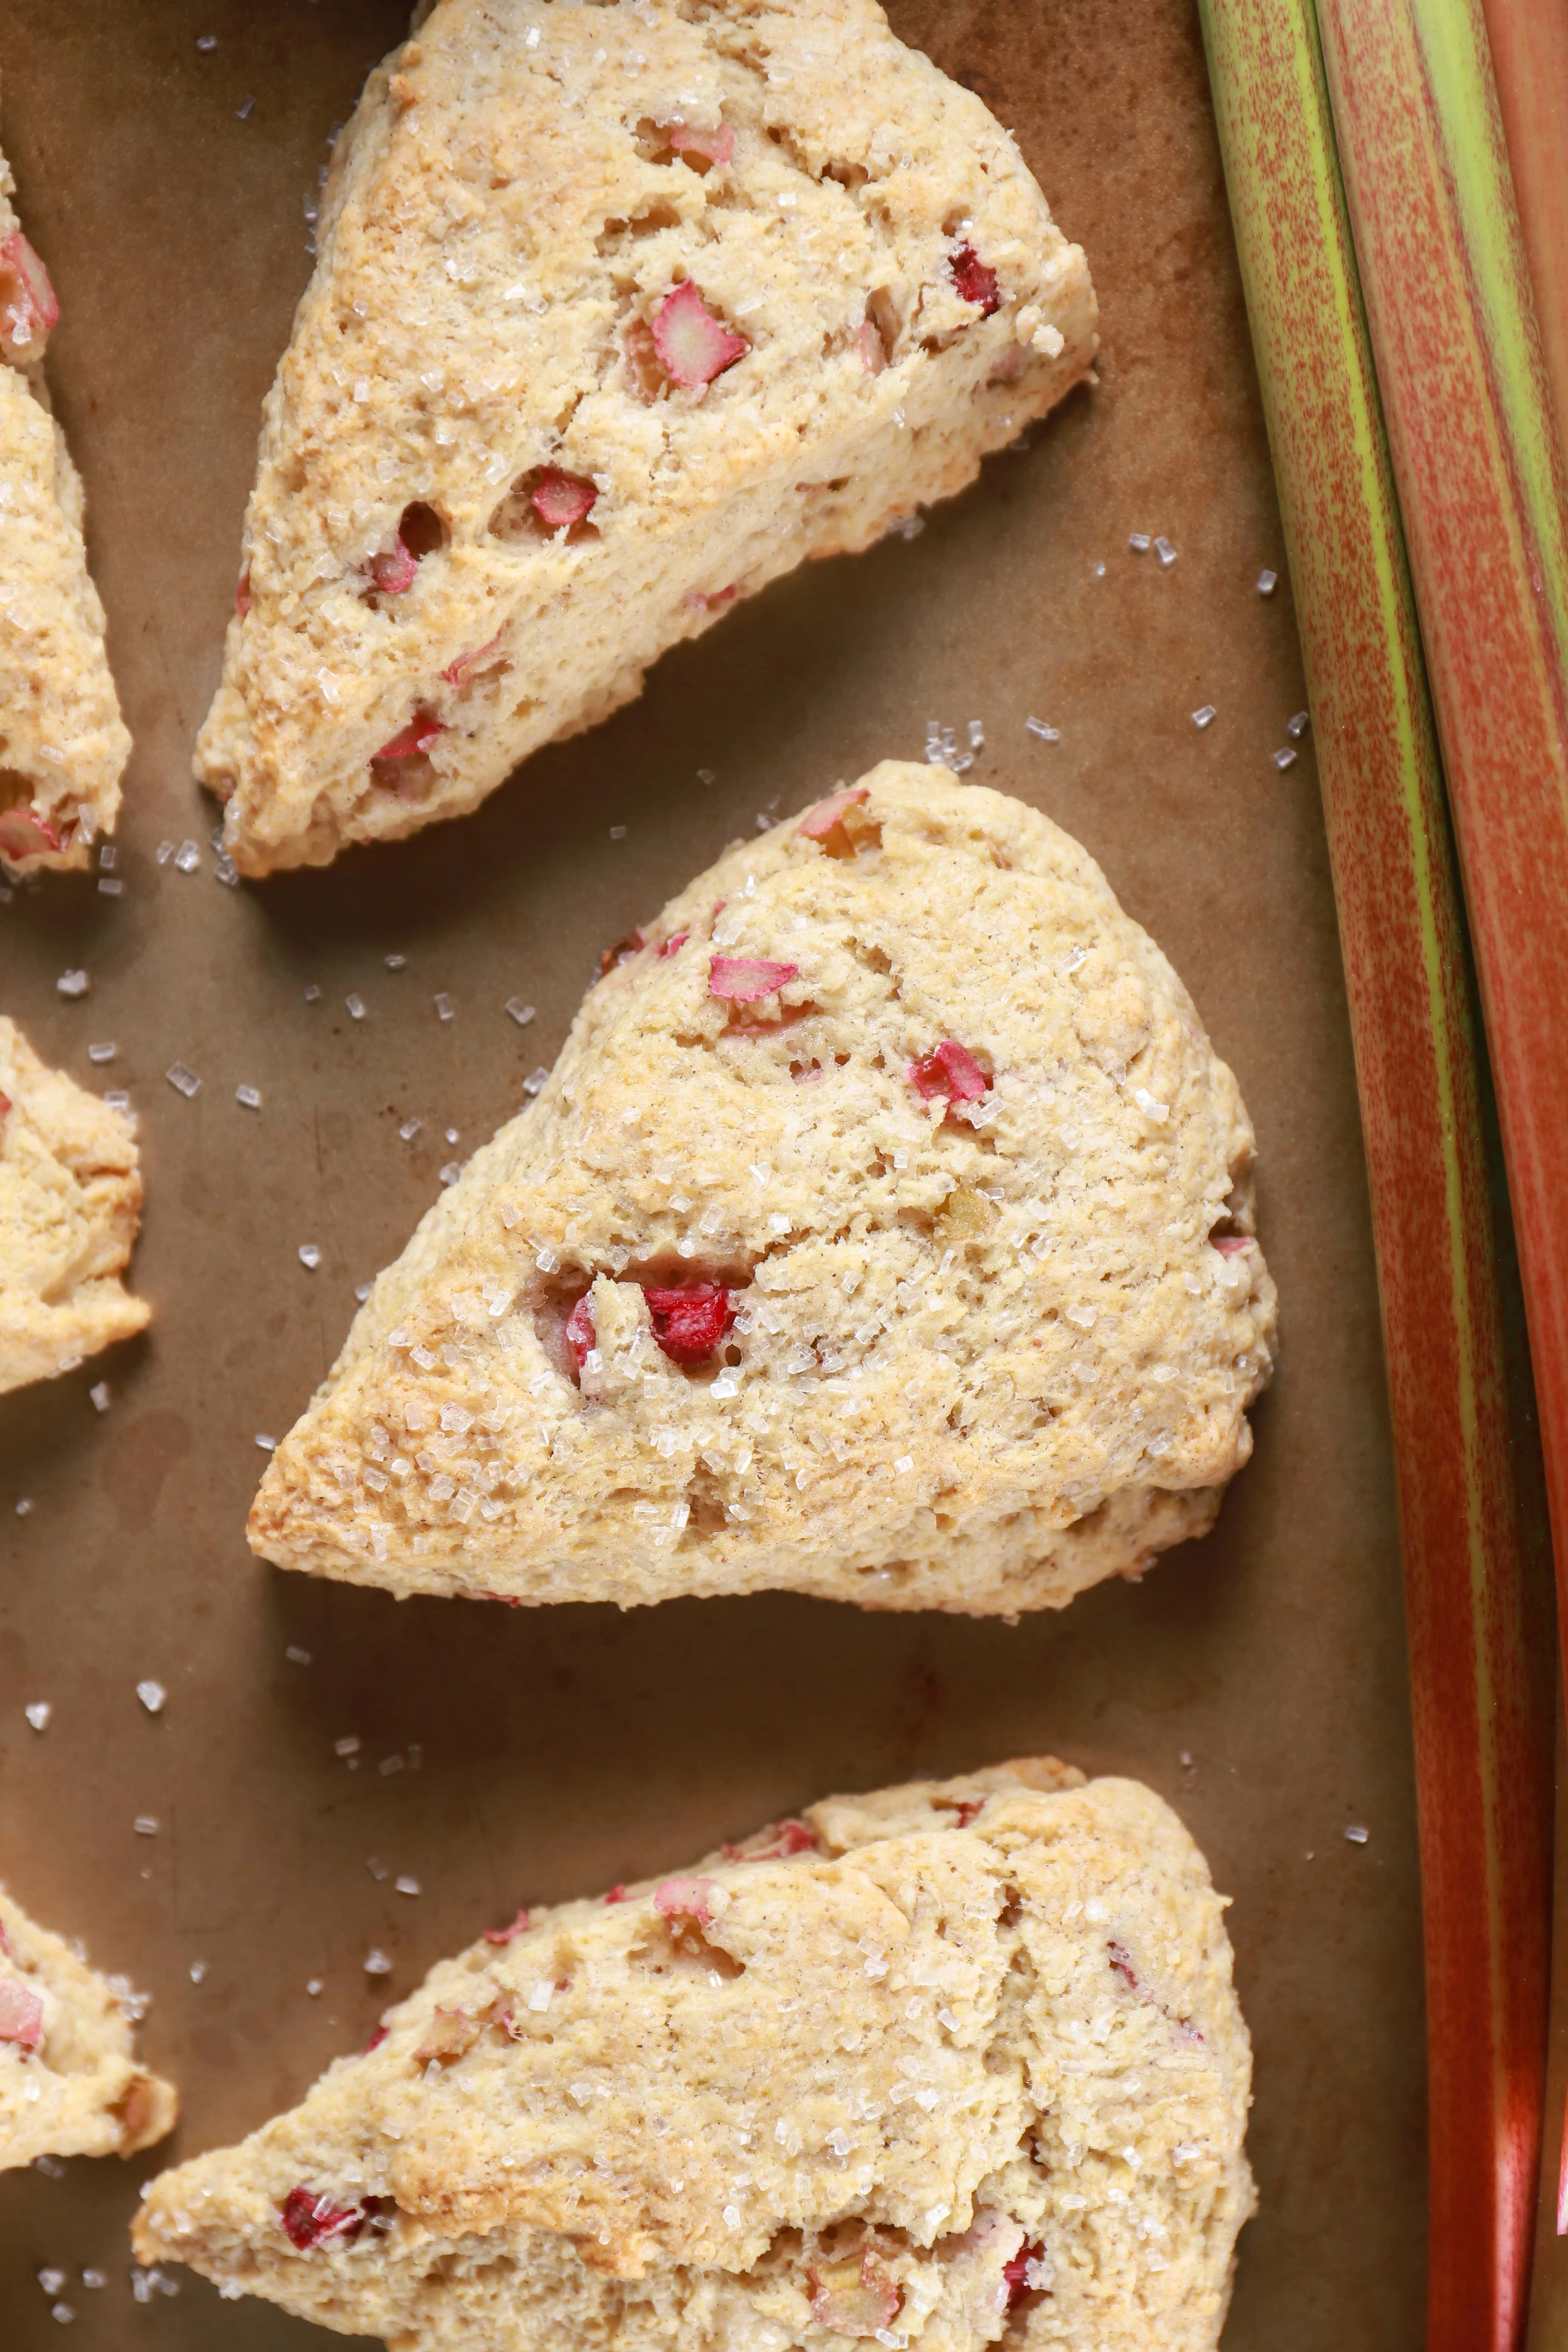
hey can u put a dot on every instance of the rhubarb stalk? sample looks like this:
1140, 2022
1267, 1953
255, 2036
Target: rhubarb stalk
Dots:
1473, 1583
1530, 57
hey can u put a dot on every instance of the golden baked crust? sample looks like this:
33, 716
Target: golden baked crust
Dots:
957, 2058
516, 202
986, 1351
70, 1202
63, 744
69, 2083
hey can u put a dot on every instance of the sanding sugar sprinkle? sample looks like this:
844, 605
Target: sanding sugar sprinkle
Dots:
1165, 552
309, 1256
101, 1395
1356, 1835
376, 1963
183, 1081
152, 1696
356, 1007
267, 1445
104, 1052
444, 1006
1139, 542
24, 1504
73, 983
348, 1746
242, 111
248, 1098
535, 1082
1042, 727
38, 1712
395, 963
1298, 726
295, 1655
617, 833
314, 1986
1285, 757
520, 1013
409, 1130
117, 1098
363, 1291
313, 993
1266, 583
1205, 715
406, 1886
146, 1825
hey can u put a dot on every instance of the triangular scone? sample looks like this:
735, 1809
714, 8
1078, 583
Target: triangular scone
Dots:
959, 2059
69, 2083
916, 1210
63, 744
620, 312
70, 1202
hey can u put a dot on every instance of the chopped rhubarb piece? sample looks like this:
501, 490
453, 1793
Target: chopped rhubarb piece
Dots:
456, 673
24, 833
312, 2221
242, 593
716, 146
509, 1600
948, 1069
688, 1324
1122, 1962
1017, 2273
622, 951
1231, 1245
830, 815
706, 597
561, 500
376, 2039
965, 1808
873, 351
1188, 2035
581, 1334
974, 281
686, 1899
507, 1935
673, 945
395, 572
743, 979
617, 1893
694, 346
417, 736
853, 2298
5, 1113
21, 2014
789, 1837
27, 305
451, 2033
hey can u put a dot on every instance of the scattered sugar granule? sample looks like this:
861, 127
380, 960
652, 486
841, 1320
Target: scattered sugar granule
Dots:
376, 1963
347, 1746
198, 1970
443, 1004
395, 963
315, 1986
377, 1867
24, 1504
535, 1082
391, 1764
1165, 552
313, 993
207, 40
406, 1886
451, 1135
73, 983
1357, 1836
242, 111
1266, 583
99, 2278
163, 852
451, 1171
1297, 727
146, 1825
1285, 757
310, 1255
1139, 542
1205, 715
521, 1013
617, 833
248, 1098
151, 1696
1047, 733
117, 1098
108, 858
363, 1291
267, 1445
225, 870
356, 1007
187, 858
707, 776
38, 1712
977, 735
183, 1081
296, 1656
104, 1052
110, 885
408, 1130
101, 1395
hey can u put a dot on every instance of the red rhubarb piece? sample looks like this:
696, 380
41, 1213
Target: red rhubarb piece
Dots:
1016, 2272
312, 2221
830, 815
873, 351
686, 1899
694, 346
673, 945
690, 1323
457, 672
976, 282
948, 1069
508, 1934
965, 1809
376, 2039
24, 833
743, 979
581, 1334
853, 2298
617, 1893
417, 736
622, 951
789, 1837
715, 146
1122, 1962
27, 305
1231, 1245
242, 593
561, 500
395, 572
5, 1113
21, 2014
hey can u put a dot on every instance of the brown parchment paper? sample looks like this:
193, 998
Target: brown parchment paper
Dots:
1256, 1679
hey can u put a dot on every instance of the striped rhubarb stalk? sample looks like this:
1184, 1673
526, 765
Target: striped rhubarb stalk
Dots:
1530, 57
1473, 1583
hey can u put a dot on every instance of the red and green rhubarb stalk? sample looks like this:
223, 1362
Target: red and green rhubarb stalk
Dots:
1530, 57
1480, 1704
1485, 502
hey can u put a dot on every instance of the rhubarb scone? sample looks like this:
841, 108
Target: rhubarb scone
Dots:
884, 1232
952, 2062
69, 2081
63, 744
620, 312
70, 1202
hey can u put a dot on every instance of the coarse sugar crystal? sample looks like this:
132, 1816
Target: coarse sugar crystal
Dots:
249, 1097
183, 1081
310, 1255
521, 1013
1205, 715
187, 858
1266, 583
1285, 757
153, 1696
104, 1052
444, 1006
356, 1007
1042, 727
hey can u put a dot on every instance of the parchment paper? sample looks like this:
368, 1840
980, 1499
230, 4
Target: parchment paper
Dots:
1256, 1679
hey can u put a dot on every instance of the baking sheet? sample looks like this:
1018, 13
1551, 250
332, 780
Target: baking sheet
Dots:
1256, 1679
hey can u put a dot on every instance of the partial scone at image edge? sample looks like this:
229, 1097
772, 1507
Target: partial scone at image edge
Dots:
618, 315
69, 2081
949, 2064
884, 1232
